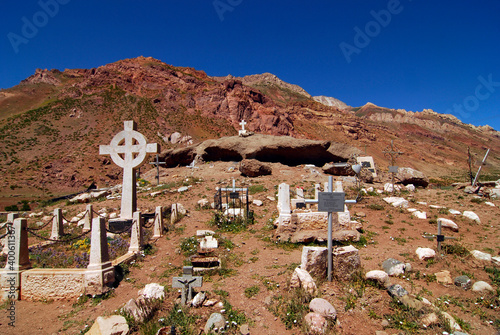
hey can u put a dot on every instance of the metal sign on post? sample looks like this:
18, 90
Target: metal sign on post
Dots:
393, 169
330, 202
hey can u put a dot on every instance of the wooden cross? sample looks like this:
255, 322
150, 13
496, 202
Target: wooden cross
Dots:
331, 202
158, 163
186, 283
439, 237
392, 154
129, 150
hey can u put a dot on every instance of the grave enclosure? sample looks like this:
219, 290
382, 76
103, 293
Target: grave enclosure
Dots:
129, 150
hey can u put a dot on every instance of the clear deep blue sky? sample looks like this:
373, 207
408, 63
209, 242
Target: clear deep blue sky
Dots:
443, 55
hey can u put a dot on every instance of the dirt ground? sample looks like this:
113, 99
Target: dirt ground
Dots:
390, 232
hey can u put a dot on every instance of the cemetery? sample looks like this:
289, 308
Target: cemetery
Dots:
207, 247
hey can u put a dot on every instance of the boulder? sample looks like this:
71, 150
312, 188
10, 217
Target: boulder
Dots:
389, 188
408, 175
346, 235
338, 169
110, 325
314, 260
346, 262
419, 215
215, 322
153, 291
481, 286
140, 309
397, 202
425, 253
315, 323
410, 188
323, 308
447, 223
254, 168
379, 276
302, 278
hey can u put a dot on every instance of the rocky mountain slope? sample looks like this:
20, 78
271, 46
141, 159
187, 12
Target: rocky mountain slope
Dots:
52, 123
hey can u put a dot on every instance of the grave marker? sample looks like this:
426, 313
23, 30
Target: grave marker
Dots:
186, 283
392, 153
157, 163
330, 202
129, 150
439, 238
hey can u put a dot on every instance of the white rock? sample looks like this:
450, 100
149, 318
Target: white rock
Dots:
480, 286
113, 215
198, 299
471, 215
208, 242
114, 324
436, 206
419, 215
369, 189
422, 203
411, 210
323, 308
257, 202
153, 291
270, 198
496, 260
302, 278
203, 202
489, 204
425, 253
397, 202
378, 275
205, 232
182, 189
74, 219
481, 255
447, 223
454, 212
410, 188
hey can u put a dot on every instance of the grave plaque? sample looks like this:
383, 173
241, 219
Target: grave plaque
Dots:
393, 169
331, 201
300, 205
234, 195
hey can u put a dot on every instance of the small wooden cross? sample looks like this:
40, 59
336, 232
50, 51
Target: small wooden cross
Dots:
439, 237
157, 163
186, 283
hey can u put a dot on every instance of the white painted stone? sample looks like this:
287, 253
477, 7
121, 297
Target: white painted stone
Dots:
471, 215
153, 291
447, 223
182, 189
454, 212
496, 260
422, 203
198, 299
489, 204
129, 150
425, 253
481, 255
271, 198
411, 210
419, 215
436, 206
481, 286
378, 275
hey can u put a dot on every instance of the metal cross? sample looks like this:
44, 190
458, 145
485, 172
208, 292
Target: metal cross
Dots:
129, 150
242, 124
158, 163
392, 153
331, 202
186, 283
439, 237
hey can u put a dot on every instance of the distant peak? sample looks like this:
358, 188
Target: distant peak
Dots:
329, 101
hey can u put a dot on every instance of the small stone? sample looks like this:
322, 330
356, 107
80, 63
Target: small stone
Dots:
393, 267
411, 302
489, 204
199, 299
316, 323
244, 330
454, 212
182, 189
419, 215
378, 275
257, 202
471, 215
447, 223
483, 256
463, 282
396, 290
481, 286
216, 320
443, 277
385, 323
210, 302
425, 253
323, 308
430, 319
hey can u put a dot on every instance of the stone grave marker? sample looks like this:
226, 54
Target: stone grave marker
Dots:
186, 283
129, 150
368, 163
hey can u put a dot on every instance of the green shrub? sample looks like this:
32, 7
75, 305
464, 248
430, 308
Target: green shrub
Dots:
252, 291
375, 207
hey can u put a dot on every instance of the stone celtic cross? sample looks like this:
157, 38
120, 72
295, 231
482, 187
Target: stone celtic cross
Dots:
129, 150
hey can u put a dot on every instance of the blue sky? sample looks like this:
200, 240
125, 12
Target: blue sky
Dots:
410, 54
